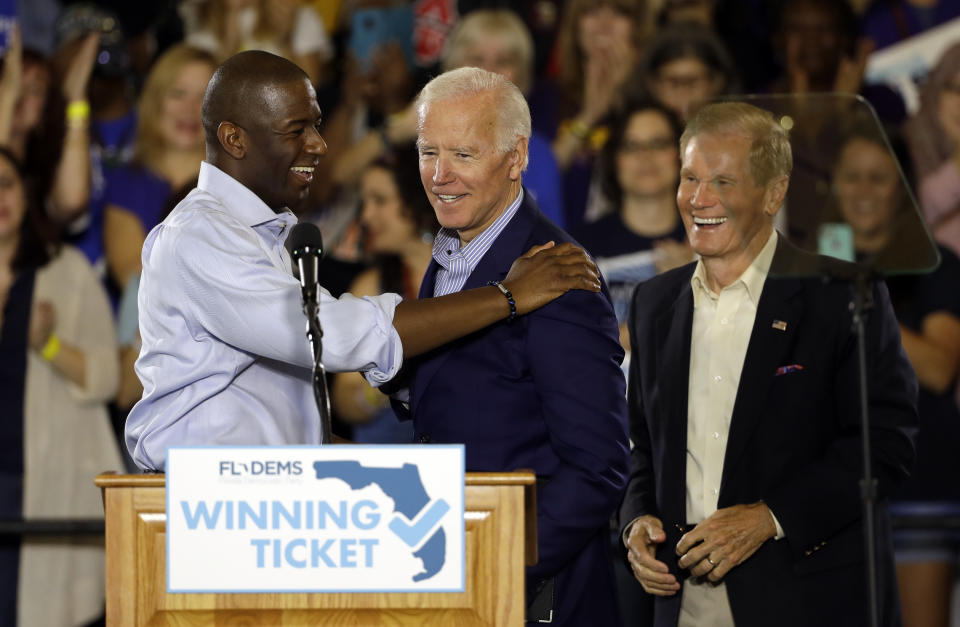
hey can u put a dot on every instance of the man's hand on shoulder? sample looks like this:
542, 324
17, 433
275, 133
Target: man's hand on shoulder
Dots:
646, 532
541, 275
725, 539
547, 272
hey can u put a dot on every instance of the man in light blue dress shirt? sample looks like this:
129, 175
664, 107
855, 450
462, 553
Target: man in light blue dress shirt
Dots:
225, 359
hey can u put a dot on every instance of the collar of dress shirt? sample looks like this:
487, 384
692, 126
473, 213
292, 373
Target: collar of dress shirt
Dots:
447, 239
753, 277
237, 198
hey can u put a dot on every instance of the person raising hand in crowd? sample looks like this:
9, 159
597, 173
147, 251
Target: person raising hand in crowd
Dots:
55, 154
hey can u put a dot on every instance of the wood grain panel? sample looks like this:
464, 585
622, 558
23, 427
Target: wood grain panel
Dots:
496, 534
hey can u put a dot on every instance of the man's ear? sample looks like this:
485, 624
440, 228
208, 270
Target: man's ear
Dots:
775, 194
518, 158
233, 139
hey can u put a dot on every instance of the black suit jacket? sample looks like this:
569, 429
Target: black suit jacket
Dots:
543, 392
794, 439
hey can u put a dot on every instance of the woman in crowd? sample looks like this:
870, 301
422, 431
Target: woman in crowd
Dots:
684, 66
294, 31
934, 136
288, 28
167, 156
645, 235
217, 26
600, 43
48, 128
113, 119
817, 47
398, 225
873, 202
58, 367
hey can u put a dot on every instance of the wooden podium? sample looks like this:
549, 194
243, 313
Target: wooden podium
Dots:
500, 530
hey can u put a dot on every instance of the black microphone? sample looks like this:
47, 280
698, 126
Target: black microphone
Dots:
306, 247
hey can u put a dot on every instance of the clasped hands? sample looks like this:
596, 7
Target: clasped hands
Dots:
711, 549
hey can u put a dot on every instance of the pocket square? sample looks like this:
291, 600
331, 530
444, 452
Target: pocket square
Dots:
788, 369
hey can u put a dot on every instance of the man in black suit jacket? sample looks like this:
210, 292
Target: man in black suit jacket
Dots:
743, 504
543, 392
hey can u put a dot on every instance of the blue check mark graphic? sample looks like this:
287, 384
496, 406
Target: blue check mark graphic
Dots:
414, 531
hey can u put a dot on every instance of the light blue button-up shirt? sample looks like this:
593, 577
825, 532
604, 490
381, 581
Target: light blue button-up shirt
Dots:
225, 357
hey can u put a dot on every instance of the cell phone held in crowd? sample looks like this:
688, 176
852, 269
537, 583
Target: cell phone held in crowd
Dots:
372, 28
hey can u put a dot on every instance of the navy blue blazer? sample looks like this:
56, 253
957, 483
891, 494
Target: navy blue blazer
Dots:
544, 392
794, 440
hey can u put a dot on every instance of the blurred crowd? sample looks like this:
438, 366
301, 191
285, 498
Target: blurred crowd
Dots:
100, 137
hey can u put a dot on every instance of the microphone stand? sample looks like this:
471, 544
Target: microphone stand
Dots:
859, 278
862, 303
306, 245
320, 392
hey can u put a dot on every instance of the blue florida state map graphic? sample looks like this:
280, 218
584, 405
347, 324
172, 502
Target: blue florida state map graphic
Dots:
415, 517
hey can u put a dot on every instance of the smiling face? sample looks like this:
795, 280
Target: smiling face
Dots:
179, 122
468, 180
283, 146
12, 202
728, 217
647, 161
868, 190
387, 224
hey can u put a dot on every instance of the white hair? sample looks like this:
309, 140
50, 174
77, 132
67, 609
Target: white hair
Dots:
513, 113
482, 24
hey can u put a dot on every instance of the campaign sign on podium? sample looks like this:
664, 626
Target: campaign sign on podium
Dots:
315, 519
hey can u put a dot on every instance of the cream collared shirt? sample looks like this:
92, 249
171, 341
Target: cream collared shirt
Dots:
722, 324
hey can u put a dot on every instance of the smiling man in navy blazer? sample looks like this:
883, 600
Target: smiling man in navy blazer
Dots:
743, 505
542, 392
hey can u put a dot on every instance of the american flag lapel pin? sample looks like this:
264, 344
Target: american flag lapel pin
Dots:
779, 325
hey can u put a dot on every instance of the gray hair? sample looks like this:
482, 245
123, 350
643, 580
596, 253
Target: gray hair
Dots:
479, 25
770, 154
513, 113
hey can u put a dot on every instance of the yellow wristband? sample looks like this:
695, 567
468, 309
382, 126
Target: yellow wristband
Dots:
394, 118
78, 111
52, 348
373, 397
579, 130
